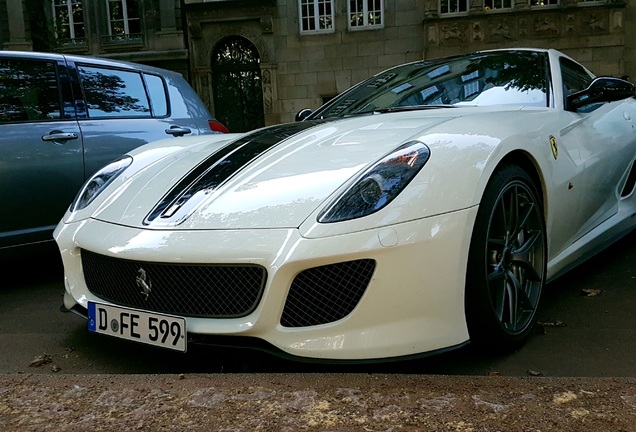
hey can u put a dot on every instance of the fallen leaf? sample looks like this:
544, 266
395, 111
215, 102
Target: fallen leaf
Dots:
553, 324
590, 292
533, 373
40, 360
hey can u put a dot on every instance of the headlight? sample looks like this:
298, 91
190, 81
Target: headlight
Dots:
98, 182
379, 185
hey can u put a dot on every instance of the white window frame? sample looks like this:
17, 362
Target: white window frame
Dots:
71, 20
365, 15
544, 3
125, 19
499, 5
448, 6
313, 7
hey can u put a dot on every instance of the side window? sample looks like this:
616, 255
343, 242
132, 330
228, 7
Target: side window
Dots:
28, 91
158, 96
113, 93
575, 77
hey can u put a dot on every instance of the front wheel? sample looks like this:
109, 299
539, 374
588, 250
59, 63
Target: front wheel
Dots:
506, 262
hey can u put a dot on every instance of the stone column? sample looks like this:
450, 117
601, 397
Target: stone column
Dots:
167, 15
17, 31
476, 7
169, 38
271, 108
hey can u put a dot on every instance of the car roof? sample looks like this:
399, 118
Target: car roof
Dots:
102, 61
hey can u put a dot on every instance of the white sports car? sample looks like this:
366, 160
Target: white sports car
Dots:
422, 209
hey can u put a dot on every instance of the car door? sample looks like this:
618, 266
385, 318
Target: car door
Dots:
41, 160
603, 136
124, 109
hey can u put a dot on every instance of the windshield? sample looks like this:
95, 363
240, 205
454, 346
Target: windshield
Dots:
491, 78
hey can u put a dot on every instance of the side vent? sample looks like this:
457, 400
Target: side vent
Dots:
630, 182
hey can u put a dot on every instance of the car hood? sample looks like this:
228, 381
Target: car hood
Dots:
271, 178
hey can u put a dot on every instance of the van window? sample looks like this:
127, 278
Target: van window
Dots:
157, 95
113, 93
28, 91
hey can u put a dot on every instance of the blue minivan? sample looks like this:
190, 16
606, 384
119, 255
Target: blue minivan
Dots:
63, 117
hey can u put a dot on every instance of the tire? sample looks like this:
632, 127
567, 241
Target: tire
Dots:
506, 262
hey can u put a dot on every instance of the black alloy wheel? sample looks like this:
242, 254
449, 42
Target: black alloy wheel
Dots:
507, 262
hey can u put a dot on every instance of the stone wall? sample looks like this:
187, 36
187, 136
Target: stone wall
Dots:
302, 71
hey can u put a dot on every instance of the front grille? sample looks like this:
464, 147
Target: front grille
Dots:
326, 294
213, 291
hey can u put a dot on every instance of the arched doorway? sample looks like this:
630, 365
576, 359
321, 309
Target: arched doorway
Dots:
237, 84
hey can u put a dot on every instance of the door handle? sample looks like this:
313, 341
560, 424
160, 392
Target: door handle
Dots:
178, 131
59, 136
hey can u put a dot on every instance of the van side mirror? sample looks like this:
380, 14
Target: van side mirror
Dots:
602, 89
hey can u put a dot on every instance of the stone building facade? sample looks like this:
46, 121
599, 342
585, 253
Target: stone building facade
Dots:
303, 62
145, 31
258, 62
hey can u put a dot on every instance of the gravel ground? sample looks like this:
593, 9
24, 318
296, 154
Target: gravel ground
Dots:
315, 402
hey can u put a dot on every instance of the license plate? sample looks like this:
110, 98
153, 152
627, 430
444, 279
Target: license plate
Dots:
161, 330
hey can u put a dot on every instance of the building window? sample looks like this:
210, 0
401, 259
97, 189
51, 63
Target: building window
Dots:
124, 24
497, 4
316, 16
544, 2
453, 6
366, 14
69, 22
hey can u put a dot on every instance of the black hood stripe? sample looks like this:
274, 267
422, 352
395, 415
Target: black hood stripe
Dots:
222, 165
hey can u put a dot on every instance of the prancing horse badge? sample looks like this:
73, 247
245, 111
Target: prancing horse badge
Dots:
553, 146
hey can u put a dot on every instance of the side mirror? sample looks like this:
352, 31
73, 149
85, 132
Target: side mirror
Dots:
602, 89
303, 114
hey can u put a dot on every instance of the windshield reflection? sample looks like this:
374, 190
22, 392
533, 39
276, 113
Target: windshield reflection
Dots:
490, 78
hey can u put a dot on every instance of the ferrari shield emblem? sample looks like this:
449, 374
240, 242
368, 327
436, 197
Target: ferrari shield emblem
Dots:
553, 146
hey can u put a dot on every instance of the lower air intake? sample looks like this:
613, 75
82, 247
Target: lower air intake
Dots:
326, 294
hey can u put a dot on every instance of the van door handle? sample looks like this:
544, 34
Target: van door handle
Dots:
178, 131
59, 136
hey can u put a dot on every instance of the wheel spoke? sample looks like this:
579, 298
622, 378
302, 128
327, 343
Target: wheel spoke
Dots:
522, 257
512, 213
524, 220
499, 297
513, 288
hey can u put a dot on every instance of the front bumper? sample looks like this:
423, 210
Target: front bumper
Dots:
413, 304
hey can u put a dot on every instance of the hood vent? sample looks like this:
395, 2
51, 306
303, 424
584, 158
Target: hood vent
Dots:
218, 168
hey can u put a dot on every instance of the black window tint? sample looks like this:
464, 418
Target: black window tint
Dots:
482, 79
575, 77
28, 91
158, 96
113, 93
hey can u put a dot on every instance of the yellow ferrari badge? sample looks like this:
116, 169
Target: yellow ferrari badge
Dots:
554, 147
